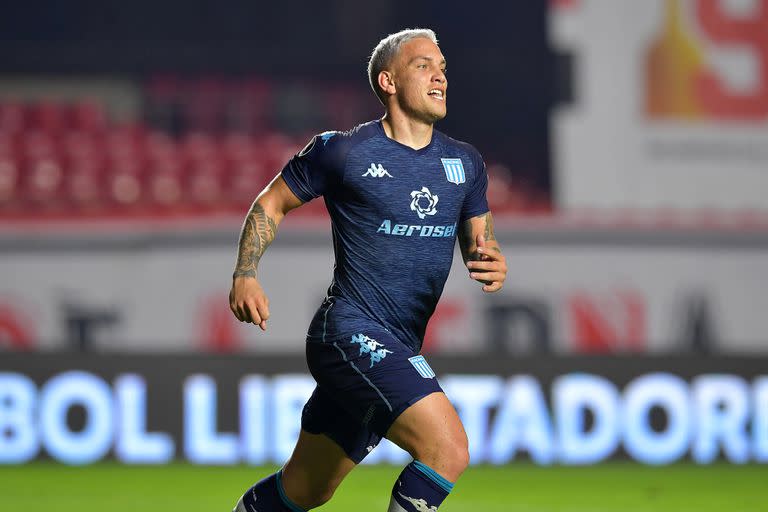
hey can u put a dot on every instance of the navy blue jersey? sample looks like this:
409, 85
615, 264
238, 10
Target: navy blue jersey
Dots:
394, 212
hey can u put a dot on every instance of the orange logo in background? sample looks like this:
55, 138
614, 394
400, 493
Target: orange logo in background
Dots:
679, 82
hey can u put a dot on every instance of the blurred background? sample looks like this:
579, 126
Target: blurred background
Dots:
627, 150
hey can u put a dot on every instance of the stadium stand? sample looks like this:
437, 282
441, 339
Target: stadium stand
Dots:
198, 147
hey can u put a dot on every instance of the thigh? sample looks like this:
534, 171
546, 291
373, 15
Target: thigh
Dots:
316, 467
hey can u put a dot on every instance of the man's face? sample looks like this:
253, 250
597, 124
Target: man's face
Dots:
418, 72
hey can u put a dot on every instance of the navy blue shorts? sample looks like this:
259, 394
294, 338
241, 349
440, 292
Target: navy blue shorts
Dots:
364, 382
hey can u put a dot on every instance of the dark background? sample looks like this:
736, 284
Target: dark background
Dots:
500, 67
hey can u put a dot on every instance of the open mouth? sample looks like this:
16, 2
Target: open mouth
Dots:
437, 94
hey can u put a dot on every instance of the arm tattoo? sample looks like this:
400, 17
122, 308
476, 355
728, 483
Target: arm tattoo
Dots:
258, 231
488, 234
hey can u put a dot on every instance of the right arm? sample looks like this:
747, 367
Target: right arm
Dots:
247, 299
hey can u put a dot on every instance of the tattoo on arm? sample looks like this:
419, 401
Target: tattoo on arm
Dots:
488, 234
258, 231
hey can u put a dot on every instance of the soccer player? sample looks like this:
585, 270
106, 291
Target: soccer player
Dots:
399, 193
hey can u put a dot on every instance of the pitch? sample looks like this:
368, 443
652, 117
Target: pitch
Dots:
521, 487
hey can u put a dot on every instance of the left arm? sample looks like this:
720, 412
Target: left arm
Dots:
481, 252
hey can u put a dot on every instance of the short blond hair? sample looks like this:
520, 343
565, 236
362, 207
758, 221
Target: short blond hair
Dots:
386, 50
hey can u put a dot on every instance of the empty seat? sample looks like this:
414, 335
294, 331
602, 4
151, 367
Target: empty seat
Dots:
88, 116
12, 117
42, 182
124, 183
84, 185
9, 182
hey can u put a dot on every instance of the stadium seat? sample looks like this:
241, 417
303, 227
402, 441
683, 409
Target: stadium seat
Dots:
84, 184
165, 181
245, 181
12, 117
9, 182
43, 181
48, 117
204, 183
88, 116
9, 146
38, 145
124, 184
199, 146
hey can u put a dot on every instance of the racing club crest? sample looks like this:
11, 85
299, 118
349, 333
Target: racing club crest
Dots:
454, 170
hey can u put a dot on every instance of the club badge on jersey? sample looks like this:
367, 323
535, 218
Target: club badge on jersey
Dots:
422, 367
454, 170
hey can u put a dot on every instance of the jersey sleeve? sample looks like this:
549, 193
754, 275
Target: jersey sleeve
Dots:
314, 170
475, 202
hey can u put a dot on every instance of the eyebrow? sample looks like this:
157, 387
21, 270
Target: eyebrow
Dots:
425, 58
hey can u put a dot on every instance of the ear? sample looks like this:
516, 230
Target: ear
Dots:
386, 82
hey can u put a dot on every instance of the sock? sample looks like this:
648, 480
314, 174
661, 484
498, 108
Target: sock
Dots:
267, 495
418, 489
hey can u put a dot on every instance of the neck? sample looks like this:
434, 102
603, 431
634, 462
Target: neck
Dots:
406, 130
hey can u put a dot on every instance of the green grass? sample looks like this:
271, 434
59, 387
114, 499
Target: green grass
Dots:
612, 487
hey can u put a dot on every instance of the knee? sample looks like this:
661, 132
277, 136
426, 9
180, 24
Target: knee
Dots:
457, 452
449, 457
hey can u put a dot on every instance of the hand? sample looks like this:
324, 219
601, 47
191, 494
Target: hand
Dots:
248, 301
490, 268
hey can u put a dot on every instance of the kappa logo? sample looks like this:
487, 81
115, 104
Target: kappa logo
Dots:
419, 504
423, 202
377, 171
372, 347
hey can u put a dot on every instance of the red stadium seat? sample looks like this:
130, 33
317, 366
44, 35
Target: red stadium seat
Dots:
199, 146
165, 182
43, 183
246, 179
9, 145
276, 150
88, 116
78, 145
12, 117
239, 147
9, 181
205, 182
84, 184
160, 146
124, 143
38, 145
124, 183
49, 117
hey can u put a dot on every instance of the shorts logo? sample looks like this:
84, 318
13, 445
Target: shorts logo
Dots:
422, 367
454, 170
423, 202
372, 347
